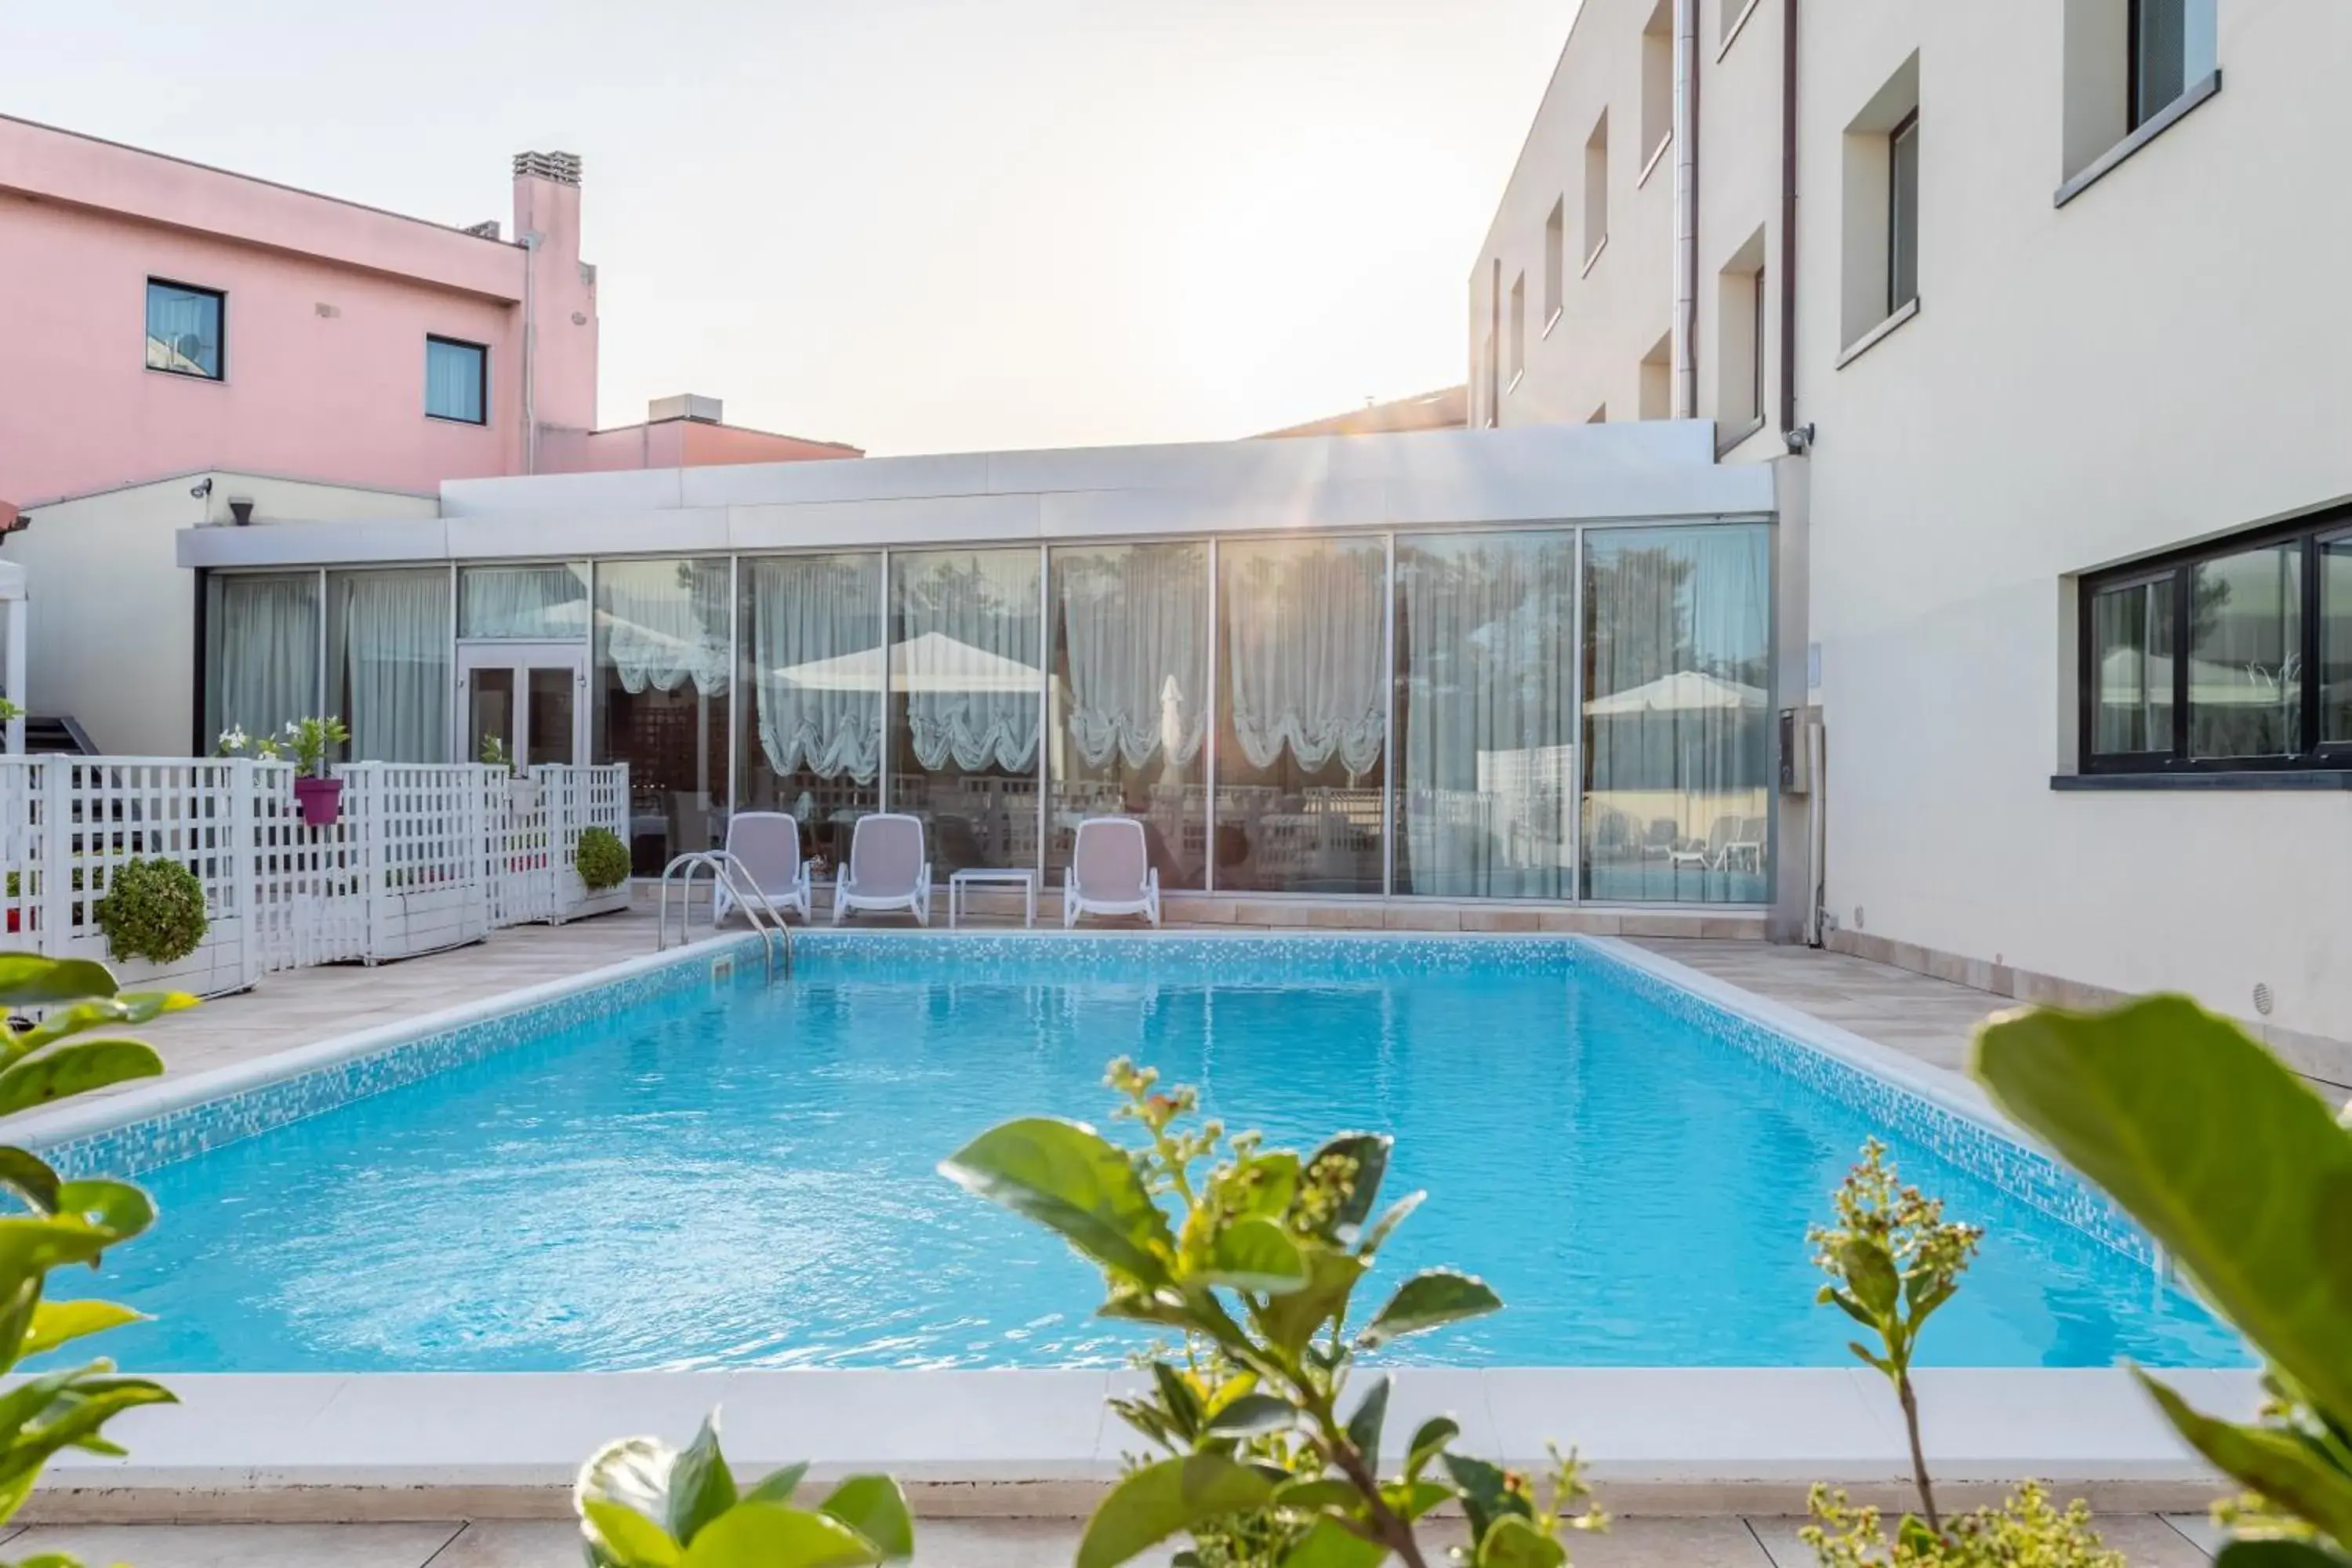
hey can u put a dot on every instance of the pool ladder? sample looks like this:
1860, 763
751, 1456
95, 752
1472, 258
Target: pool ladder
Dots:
724, 867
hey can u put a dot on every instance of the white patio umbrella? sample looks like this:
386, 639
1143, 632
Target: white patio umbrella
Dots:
1684, 690
932, 662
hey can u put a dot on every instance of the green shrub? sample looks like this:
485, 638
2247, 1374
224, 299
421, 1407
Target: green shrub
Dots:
602, 859
643, 1504
2243, 1176
152, 909
1256, 1266
57, 1223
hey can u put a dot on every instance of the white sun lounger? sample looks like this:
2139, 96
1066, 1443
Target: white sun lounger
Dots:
768, 843
887, 869
1110, 872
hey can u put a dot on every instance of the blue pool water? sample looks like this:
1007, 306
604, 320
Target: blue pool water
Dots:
739, 1176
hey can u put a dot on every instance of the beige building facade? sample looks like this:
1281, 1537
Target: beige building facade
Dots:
2035, 305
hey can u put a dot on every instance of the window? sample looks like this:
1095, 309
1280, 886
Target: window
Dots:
1487, 378
1739, 373
2171, 48
184, 329
1657, 84
1596, 190
2204, 661
967, 699
261, 651
1657, 392
1902, 213
1555, 262
1519, 328
456, 381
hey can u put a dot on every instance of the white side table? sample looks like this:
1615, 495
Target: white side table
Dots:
975, 875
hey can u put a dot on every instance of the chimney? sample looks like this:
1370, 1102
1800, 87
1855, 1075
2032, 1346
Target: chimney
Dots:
559, 362
685, 406
563, 168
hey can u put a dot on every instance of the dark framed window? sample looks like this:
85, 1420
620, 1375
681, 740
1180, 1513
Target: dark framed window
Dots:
184, 329
1903, 212
2172, 47
1756, 347
2233, 656
456, 381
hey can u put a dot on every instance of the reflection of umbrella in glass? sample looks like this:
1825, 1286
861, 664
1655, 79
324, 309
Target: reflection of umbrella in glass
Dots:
933, 662
1171, 729
1682, 690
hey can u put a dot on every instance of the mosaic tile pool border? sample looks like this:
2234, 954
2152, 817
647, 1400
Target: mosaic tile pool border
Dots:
2021, 1172
187, 1130
184, 1131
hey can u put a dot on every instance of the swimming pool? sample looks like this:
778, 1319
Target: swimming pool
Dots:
685, 1172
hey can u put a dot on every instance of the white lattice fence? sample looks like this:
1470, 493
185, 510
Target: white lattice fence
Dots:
422, 857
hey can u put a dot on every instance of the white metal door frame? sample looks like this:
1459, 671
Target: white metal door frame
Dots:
520, 658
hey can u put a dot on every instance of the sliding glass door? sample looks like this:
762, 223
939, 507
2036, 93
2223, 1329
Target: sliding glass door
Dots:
663, 672
388, 652
261, 653
812, 657
967, 688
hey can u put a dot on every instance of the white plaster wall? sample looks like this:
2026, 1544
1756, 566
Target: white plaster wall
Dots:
113, 614
2156, 362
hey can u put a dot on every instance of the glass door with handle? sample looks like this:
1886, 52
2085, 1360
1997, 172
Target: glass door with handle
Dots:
531, 697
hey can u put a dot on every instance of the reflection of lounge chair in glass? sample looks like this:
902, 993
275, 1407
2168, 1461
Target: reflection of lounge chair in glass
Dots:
1110, 872
1746, 848
768, 843
1710, 855
887, 869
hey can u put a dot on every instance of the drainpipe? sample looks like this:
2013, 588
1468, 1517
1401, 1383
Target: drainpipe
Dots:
1789, 220
531, 352
1686, 327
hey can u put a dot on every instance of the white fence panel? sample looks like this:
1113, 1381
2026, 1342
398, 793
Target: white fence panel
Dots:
421, 858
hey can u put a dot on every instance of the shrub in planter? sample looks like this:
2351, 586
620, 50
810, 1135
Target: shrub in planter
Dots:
602, 859
152, 909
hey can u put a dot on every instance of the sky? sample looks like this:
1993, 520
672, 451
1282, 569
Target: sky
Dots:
911, 225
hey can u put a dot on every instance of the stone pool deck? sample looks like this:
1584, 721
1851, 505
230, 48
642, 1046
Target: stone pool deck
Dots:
2147, 1541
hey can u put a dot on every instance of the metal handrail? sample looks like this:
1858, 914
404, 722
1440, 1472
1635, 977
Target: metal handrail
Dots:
723, 866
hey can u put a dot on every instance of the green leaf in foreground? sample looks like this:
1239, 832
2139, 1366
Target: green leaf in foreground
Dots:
1430, 1299
2228, 1158
1073, 1181
1158, 1500
2281, 1465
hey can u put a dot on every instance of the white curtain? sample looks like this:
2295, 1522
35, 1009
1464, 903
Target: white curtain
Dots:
968, 662
523, 602
394, 663
815, 638
1486, 625
1303, 634
1134, 627
265, 638
664, 623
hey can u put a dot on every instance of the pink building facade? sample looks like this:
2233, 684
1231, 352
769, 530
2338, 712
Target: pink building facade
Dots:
162, 317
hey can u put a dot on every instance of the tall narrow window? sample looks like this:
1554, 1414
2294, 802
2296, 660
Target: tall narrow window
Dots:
1555, 262
811, 671
2131, 673
456, 381
1902, 213
2173, 47
2336, 640
1596, 190
1519, 328
662, 680
388, 662
2245, 641
1302, 715
261, 651
966, 689
1657, 83
1756, 346
184, 329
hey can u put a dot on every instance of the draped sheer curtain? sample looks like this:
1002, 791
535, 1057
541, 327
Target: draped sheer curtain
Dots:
523, 603
663, 669
1303, 686
967, 692
811, 670
388, 655
261, 645
1131, 695
1677, 716
1487, 714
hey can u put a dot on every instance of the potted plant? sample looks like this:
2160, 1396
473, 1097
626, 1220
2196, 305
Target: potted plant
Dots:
601, 858
152, 909
321, 798
523, 792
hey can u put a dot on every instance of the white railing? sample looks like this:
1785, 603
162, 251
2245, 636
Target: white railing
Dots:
421, 858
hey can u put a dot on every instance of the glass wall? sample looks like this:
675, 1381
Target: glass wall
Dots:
261, 652
1575, 712
966, 675
534, 603
1128, 721
1303, 714
2245, 637
1486, 720
388, 662
811, 657
1677, 714
2336, 640
663, 672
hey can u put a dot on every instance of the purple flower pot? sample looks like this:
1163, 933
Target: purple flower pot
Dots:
322, 800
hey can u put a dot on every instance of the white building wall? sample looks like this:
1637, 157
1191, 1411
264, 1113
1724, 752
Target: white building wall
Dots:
2147, 365
114, 619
